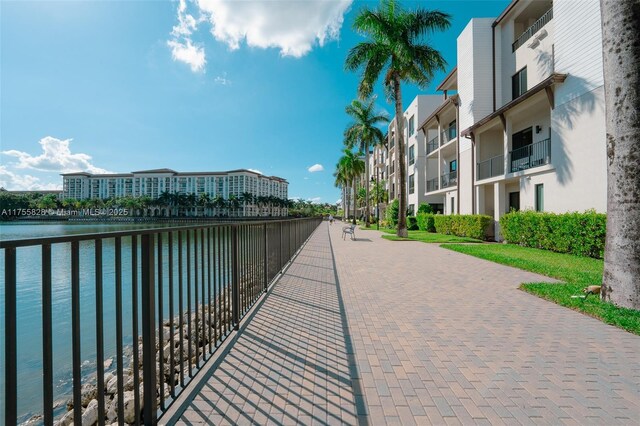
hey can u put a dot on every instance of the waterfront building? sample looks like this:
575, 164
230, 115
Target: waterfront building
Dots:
254, 193
521, 123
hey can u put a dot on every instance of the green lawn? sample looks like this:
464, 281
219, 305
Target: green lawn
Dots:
424, 236
575, 272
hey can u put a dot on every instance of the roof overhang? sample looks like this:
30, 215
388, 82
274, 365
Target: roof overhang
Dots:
505, 12
544, 84
450, 100
447, 80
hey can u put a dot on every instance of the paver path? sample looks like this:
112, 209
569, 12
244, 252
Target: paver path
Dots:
415, 334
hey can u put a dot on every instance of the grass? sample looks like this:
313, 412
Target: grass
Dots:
575, 272
423, 236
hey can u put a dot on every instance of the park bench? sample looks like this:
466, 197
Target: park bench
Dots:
349, 229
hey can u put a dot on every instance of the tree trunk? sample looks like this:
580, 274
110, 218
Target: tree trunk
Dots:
355, 200
366, 185
621, 47
402, 213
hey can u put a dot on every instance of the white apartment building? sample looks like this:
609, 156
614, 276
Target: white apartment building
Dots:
153, 183
525, 127
386, 158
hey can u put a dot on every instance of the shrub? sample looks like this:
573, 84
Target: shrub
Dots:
469, 225
412, 223
426, 222
425, 208
392, 213
580, 234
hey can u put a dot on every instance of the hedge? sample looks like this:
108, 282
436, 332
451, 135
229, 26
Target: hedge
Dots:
412, 223
425, 222
392, 213
469, 225
580, 234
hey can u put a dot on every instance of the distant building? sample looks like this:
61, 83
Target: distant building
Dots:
234, 184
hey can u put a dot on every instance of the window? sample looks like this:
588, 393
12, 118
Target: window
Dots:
412, 125
453, 166
411, 183
452, 130
412, 209
540, 198
514, 201
411, 155
519, 83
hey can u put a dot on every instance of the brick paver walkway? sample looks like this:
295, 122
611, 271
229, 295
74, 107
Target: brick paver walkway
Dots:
426, 336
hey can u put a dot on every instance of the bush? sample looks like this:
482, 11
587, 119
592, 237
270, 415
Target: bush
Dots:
580, 234
412, 223
426, 222
425, 208
469, 225
392, 213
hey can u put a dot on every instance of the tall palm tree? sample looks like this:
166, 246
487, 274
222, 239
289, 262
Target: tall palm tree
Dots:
621, 48
395, 50
364, 133
342, 181
246, 198
352, 166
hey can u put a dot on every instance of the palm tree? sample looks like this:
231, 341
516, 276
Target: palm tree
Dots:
342, 181
220, 203
395, 50
246, 198
203, 201
621, 280
363, 133
352, 166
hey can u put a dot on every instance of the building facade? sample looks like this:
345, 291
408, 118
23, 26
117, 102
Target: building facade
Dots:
521, 123
258, 195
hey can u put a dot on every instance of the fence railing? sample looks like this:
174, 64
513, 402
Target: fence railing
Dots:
432, 145
449, 179
491, 167
185, 288
529, 32
432, 185
530, 156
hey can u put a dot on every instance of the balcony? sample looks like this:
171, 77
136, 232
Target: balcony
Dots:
432, 145
530, 156
529, 32
448, 134
432, 185
449, 179
490, 168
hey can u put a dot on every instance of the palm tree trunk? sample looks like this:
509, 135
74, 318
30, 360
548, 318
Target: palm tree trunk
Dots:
355, 201
621, 47
366, 185
402, 213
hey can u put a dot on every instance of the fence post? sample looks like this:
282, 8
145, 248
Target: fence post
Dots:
150, 408
266, 256
235, 283
10, 340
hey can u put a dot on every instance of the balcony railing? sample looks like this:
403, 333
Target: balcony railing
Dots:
432, 145
530, 156
529, 32
449, 179
491, 167
187, 288
432, 185
447, 135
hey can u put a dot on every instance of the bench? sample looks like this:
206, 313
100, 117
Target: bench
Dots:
349, 229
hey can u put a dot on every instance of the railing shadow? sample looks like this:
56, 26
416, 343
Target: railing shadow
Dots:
294, 361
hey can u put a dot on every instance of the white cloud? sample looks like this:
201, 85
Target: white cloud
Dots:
315, 199
255, 170
182, 47
222, 79
339, 201
16, 182
316, 168
56, 157
185, 51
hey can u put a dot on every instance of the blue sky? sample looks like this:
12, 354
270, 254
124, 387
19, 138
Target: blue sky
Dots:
196, 86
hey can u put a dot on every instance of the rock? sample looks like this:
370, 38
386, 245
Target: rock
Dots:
130, 414
112, 410
89, 392
112, 386
34, 420
108, 363
107, 379
66, 420
90, 415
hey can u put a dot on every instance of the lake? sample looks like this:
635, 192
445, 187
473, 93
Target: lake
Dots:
29, 306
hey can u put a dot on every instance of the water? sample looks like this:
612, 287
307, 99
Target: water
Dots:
29, 306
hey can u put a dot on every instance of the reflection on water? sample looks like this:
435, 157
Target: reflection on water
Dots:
29, 304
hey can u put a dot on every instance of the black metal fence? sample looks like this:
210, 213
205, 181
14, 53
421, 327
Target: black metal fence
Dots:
491, 167
449, 179
529, 32
535, 155
189, 288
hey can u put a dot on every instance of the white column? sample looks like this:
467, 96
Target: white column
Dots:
499, 194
